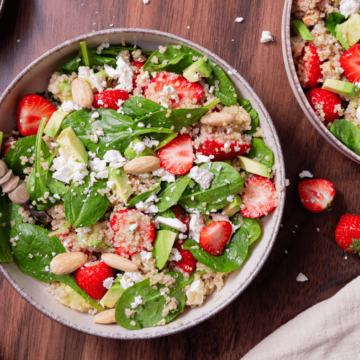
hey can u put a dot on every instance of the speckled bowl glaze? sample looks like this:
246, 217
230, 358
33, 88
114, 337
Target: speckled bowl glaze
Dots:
298, 90
35, 79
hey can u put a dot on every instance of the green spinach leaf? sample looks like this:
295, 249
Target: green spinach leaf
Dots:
143, 196
5, 249
260, 151
131, 107
253, 228
164, 142
246, 104
332, 20
347, 133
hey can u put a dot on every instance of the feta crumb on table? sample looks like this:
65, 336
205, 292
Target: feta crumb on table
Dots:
301, 278
239, 19
306, 173
266, 37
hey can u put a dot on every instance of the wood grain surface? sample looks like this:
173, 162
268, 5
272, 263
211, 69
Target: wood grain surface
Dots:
28, 28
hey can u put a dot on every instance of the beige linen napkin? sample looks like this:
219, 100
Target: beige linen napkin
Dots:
329, 330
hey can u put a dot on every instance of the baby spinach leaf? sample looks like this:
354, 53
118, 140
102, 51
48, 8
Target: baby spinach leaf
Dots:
33, 253
232, 258
253, 228
246, 104
5, 249
332, 20
12, 157
143, 196
88, 205
149, 314
172, 193
347, 133
260, 151
131, 107
226, 181
55, 186
15, 217
176, 64
119, 130
166, 141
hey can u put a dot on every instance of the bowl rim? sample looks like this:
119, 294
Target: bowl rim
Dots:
280, 173
299, 92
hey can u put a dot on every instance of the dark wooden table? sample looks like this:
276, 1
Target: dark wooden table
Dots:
30, 27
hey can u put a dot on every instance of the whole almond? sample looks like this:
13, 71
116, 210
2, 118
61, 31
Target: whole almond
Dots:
11, 184
118, 262
141, 165
217, 119
20, 194
105, 317
67, 263
82, 93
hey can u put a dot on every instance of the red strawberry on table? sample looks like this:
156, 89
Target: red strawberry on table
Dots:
215, 236
110, 99
347, 233
310, 63
177, 156
350, 63
259, 197
325, 103
216, 148
316, 195
181, 215
185, 89
30, 111
91, 279
187, 262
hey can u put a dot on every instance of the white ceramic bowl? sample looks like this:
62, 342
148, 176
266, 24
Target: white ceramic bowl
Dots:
34, 79
299, 92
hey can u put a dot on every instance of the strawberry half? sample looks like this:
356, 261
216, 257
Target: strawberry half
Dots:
110, 99
259, 197
30, 111
177, 156
350, 63
185, 89
187, 262
181, 215
325, 103
138, 64
215, 236
216, 149
316, 195
311, 70
347, 233
91, 279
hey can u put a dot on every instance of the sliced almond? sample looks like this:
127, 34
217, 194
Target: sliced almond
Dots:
3, 168
217, 119
19, 195
105, 317
118, 262
10, 185
82, 93
141, 165
6, 177
67, 263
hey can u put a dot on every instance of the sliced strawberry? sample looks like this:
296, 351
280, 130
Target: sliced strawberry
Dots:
181, 215
30, 111
129, 242
259, 197
350, 63
138, 64
91, 279
215, 236
310, 66
110, 99
220, 151
347, 233
185, 89
325, 103
187, 262
316, 195
177, 156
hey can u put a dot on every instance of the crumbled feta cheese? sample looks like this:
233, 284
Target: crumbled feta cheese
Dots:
139, 147
239, 19
102, 174
133, 227
306, 173
114, 158
97, 164
170, 92
195, 226
194, 287
173, 223
147, 207
165, 175
108, 282
201, 176
150, 143
145, 255
138, 301
230, 198
110, 184
266, 37
130, 278
301, 277
83, 230
123, 73
201, 159
175, 255
349, 7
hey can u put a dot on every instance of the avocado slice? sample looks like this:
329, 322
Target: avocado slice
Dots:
208, 221
72, 145
197, 70
253, 167
164, 242
92, 238
344, 88
301, 30
111, 297
65, 91
73, 299
350, 29
53, 126
122, 188
233, 207
130, 153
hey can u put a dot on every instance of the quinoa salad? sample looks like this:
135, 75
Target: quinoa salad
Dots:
326, 50
134, 184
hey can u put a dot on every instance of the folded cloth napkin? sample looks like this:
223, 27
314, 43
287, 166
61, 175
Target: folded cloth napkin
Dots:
329, 330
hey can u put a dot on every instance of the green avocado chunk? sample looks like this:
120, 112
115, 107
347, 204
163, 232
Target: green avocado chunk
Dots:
301, 30
130, 153
197, 70
233, 207
348, 33
65, 91
112, 296
253, 167
73, 299
344, 88
164, 242
53, 126
72, 145
122, 188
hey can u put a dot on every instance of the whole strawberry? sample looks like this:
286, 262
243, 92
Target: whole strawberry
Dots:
91, 279
347, 233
